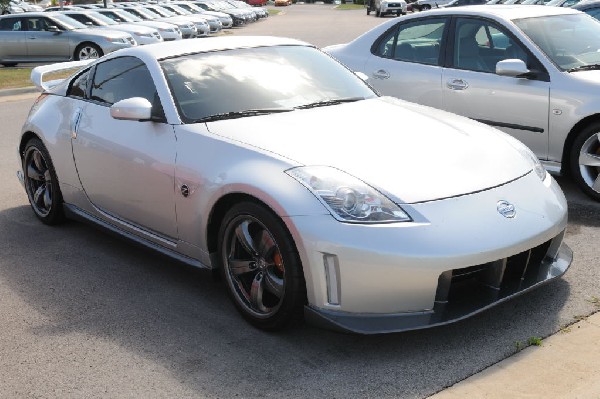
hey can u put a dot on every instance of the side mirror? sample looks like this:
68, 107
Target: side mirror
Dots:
53, 28
132, 109
512, 67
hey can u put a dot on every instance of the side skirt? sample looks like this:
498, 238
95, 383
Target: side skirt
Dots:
76, 213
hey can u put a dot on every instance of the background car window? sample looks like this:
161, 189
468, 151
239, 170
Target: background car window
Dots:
36, 24
593, 12
479, 45
418, 41
79, 86
10, 24
122, 78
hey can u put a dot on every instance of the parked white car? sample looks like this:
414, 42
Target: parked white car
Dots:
531, 71
384, 7
261, 158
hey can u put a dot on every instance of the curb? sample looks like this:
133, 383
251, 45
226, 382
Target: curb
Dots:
14, 92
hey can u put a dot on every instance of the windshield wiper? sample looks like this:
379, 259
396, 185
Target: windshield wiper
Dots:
325, 103
590, 67
241, 114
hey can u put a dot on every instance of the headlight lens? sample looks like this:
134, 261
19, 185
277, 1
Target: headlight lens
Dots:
348, 198
537, 166
116, 40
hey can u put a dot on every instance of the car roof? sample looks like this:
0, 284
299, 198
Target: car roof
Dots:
191, 46
506, 12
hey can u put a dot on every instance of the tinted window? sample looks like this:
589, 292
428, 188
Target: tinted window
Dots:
12, 24
479, 45
414, 42
594, 12
122, 78
79, 86
37, 24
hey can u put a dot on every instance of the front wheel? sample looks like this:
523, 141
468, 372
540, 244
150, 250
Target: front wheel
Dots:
88, 51
9, 64
261, 267
585, 160
425, 7
41, 183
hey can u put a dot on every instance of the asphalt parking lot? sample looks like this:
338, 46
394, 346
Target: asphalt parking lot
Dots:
85, 314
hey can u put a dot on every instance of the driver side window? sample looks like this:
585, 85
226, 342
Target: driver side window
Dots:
479, 45
121, 78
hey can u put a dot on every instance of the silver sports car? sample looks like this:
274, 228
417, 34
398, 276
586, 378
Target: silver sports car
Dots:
260, 157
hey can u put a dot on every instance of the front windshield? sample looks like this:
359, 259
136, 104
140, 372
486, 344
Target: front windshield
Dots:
68, 22
144, 13
102, 18
162, 11
570, 41
179, 10
192, 7
271, 79
127, 16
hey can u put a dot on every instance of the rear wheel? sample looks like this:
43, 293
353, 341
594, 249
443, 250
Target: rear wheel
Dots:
88, 51
9, 64
585, 160
425, 7
41, 183
261, 267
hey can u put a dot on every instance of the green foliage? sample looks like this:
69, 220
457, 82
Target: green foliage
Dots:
4, 4
537, 341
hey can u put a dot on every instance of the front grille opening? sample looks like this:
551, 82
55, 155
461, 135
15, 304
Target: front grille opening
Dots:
466, 289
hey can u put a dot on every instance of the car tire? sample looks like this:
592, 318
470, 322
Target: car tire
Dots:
368, 11
88, 51
41, 183
425, 7
378, 14
261, 267
9, 64
585, 160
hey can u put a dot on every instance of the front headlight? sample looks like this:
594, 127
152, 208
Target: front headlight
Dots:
116, 40
537, 166
346, 197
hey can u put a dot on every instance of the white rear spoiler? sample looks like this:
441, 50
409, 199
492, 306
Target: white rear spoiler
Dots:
37, 74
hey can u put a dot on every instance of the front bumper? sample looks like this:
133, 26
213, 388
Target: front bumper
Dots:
458, 304
402, 276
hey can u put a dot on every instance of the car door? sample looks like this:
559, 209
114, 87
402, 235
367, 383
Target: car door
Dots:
44, 45
125, 167
517, 105
406, 61
12, 39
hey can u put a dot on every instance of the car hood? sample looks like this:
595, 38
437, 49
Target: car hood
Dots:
411, 152
98, 31
587, 76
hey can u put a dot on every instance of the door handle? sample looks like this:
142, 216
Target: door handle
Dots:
381, 74
75, 119
457, 84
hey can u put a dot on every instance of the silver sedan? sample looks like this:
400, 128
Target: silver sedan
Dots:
259, 157
52, 36
533, 72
